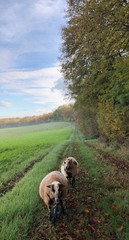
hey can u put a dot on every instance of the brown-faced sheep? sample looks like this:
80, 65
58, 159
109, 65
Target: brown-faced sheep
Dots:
70, 168
52, 189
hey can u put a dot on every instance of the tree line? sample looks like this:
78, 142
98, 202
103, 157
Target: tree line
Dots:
95, 65
62, 113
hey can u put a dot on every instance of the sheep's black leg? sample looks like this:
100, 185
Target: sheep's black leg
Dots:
55, 213
69, 176
73, 182
50, 214
62, 211
50, 208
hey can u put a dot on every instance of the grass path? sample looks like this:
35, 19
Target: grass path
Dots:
96, 209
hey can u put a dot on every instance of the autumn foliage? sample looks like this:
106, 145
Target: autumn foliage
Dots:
95, 64
62, 113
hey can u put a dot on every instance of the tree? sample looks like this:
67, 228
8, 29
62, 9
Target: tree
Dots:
95, 57
64, 113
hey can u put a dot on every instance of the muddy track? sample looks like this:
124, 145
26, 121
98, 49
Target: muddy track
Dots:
118, 162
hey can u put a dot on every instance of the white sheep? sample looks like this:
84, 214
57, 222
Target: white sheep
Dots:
70, 168
52, 189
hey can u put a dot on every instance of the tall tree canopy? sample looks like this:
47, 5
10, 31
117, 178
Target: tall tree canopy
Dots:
95, 61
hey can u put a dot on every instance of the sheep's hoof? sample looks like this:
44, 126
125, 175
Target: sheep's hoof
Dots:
53, 220
61, 216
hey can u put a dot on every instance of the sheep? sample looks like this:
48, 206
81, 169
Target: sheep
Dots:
52, 190
70, 168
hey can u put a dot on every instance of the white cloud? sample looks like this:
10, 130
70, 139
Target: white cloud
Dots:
47, 8
30, 38
37, 87
5, 104
21, 23
6, 58
20, 18
39, 78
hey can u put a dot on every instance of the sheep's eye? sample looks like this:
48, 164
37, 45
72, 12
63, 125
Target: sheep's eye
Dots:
60, 190
75, 163
64, 162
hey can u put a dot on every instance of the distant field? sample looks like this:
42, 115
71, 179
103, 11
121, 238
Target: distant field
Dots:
19, 147
7, 132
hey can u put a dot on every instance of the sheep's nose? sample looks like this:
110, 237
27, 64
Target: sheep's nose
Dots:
67, 168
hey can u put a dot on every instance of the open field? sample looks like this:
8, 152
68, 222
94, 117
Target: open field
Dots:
18, 131
97, 208
25, 145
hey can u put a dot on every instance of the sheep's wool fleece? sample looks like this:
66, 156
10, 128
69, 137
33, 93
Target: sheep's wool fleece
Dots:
49, 179
74, 170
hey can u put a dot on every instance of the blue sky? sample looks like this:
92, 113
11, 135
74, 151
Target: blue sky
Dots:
30, 42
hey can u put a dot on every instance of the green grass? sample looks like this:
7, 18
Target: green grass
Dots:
109, 196
19, 207
18, 131
120, 151
98, 207
17, 152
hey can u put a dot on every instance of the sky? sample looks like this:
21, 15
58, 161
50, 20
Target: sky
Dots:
30, 46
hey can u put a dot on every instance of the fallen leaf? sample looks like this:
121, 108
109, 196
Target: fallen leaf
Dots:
96, 219
120, 229
87, 211
106, 214
63, 225
69, 237
91, 227
115, 207
53, 238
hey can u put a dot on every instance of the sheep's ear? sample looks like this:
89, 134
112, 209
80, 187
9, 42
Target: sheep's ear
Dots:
75, 163
64, 160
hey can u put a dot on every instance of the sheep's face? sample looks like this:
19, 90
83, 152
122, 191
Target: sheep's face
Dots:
69, 163
56, 190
